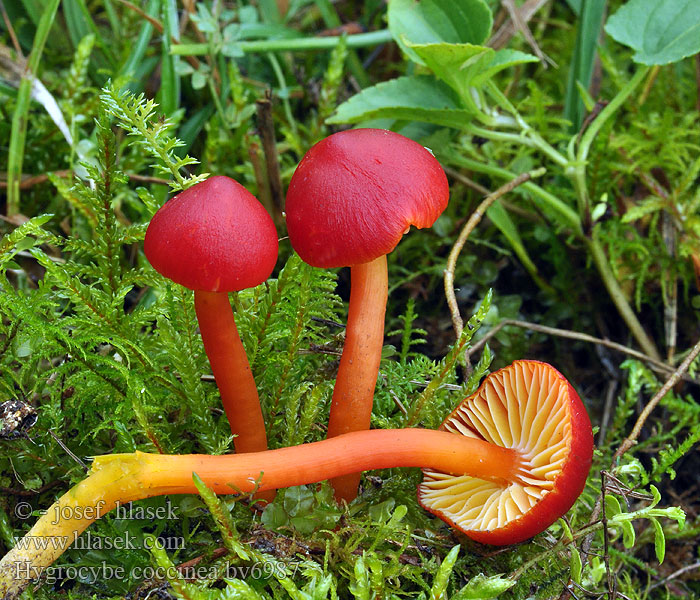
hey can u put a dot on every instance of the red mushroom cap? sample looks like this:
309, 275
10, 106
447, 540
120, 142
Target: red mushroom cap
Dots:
531, 407
213, 237
355, 193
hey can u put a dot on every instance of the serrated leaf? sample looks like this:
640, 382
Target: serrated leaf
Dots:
416, 98
434, 21
222, 518
646, 207
360, 586
660, 31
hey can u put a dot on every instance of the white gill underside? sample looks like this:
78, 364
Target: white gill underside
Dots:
524, 407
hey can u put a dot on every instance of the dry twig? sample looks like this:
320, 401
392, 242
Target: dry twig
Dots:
655, 364
473, 221
631, 439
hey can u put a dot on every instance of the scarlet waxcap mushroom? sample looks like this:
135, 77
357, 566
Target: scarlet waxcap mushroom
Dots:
356, 192
352, 197
213, 237
510, 459
531, 408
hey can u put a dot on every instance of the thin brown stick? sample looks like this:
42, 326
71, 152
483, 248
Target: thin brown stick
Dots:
466, 181
158, 26
521, 26
675, 574
266, 129
11, 31
29, 181
631, 439
30, 493
474, 219
509, 28
655, 364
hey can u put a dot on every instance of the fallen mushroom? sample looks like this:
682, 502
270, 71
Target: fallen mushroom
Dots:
350, 200
215, 238
513, 457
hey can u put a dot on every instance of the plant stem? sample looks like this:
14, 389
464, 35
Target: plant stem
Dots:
567, 214
18, 133
618, 296
535, 139
353, 395
606, 113
120, 478
358, 40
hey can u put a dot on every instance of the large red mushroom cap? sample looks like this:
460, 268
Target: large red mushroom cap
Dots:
528, 406
213, 237
356, 192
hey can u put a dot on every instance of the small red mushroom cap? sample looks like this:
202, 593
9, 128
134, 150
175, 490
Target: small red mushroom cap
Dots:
213, 237
528, 406
356, 192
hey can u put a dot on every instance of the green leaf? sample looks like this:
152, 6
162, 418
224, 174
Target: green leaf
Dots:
581, 71
660, 31
659, 541
628, 535
416, 98
442, 577
222, 518
483, 587
575, 564
612, 506
462, 66
500, 218
431, 21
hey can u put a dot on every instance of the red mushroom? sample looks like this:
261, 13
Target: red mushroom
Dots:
350, 200
513, 458
531, 408
215, 238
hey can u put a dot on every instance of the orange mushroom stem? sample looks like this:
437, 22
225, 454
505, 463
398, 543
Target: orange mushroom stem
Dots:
513, 458
359, 363
231, 370
349, 202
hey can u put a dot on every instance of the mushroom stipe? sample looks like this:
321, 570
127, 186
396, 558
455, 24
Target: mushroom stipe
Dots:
510, 460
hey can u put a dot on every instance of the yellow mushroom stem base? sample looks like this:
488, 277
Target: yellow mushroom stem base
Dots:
120, 478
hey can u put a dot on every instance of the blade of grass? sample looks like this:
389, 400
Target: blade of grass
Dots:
33, 9
80, 23
269, 11
139, 48
18, 134
113, 17
169, 94
589, 25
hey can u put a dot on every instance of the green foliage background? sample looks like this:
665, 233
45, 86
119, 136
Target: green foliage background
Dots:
108, 355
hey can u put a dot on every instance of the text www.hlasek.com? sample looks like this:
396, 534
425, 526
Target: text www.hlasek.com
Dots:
88, 541
50, 575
